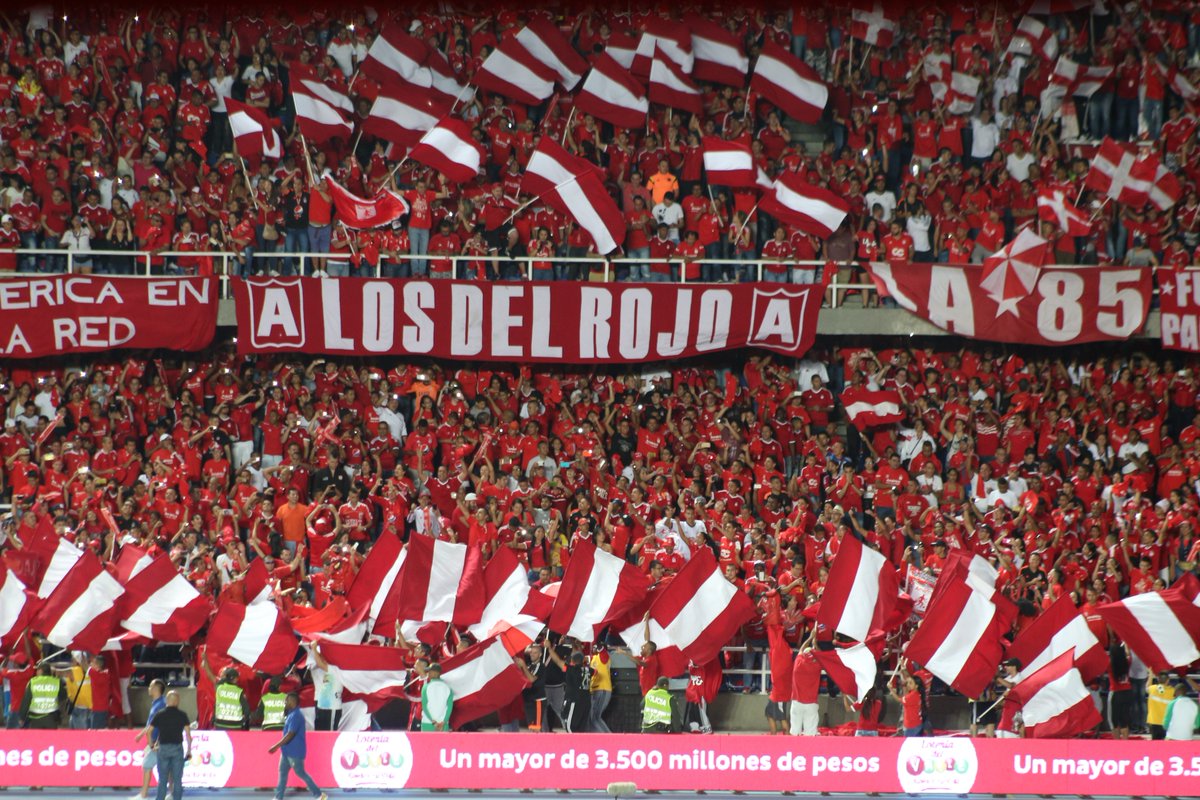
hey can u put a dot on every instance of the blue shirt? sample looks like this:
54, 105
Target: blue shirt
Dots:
294, 723
155, 707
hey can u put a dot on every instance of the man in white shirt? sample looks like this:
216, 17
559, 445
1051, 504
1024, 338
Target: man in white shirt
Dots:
1019, 161
985, 136
1002, 493
882, 197
390, 414
1131, 452
669, 213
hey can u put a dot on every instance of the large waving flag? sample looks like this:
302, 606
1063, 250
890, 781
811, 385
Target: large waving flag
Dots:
162, 605
512, 608
853, 668
322, 113
359, 213
861, 592
367, 669
1117, 171
373, 583
812, 209
483, 678
1054, 206
254, 133
732, 164
80, 613
596, 589
1011, 273
719, 55
395, 57
670, 86
610, 93
440, 582
545, 42
451, 149
789, 83
257, 635
695, 616
514, 72
872, 25
402, 114
573, 186
17, 607
1058, 630
668, 38
1054, 701
1162, 628
866, 408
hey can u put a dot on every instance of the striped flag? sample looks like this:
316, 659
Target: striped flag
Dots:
610, 93
671, 87
80, 613
1054, 702
451, 149
789, 83
161, 604
373, 583
597, 587
810, 208
395, 57
861, 591
866, 408
1058, 630
512, 71
17, 607
322, 113
1162, 628
366, 669
483, 679
440, 582
732, 164
573, 186
668, 38
852, 668
257, 635
510, 601
402, 114
719, 55
545, 42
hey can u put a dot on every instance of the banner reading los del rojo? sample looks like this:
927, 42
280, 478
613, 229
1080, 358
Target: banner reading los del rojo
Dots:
528, 321
56, 314
395, 760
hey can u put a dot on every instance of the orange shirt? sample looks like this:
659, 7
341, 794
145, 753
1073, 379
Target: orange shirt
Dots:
291, 521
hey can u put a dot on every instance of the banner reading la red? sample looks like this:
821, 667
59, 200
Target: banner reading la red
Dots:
46, 316
494, 321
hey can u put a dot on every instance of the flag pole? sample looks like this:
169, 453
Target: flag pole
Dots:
738, 235
307, 159
519, 209
249, 186
399, 164
567, 126
357, 139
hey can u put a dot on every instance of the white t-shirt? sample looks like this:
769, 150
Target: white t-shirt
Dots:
985, 138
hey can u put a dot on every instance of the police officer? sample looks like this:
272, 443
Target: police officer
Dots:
44, 698
233, 710
273, 706
658, 709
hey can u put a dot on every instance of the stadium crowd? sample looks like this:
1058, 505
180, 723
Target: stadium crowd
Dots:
1071, 477
116, 137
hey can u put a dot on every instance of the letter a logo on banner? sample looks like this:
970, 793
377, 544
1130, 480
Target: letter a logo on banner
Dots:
777, 318
277, 308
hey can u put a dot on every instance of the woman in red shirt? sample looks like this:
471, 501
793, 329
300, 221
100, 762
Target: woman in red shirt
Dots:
913, 701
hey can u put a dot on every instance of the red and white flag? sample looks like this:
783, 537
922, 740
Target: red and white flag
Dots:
1077, 79
80, 613
671, 87
810, 208
395, 57
1054, 701
441, 80
322, 113
1033, 36
510, 601
1054, 206
866, 408
694, 617
732, 164
622, 48
545, 42
254, 134
17, 607
1162, 628
1166, 190
402, 114
873, 26
861, 592
1182, 86
514, 72
359, 213
668, 37
719, 56
610, 93
1118, 172
367, 669
789, 83
483, 678
373, 583
962, 92
58, 562
131, 560
440, 582
573, 186
960, 640
450, 148
162, 605
852, 668
597, 587
1010, 274
257, 635
1059, 630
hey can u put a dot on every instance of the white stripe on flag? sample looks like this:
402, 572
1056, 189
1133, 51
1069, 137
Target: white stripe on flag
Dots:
258, 624
727, 160
448, 144
65, 556
1075, 636
546, 166
825, 214
585, 213
973, 622
710, 600
1054, 698
404, 115
473, 676
385, 586
509, 70
597, 596
159, 606
333, 98
543, 53
382, 50
719, 53
243, 124
788, 80
12, 603
98, 598
318, 111
878, 409
662, 74
1163, 628
445, 572
612, 92
864, 594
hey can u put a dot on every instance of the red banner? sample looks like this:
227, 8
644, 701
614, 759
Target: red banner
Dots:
529, 322
503, 761
46, 316
1064, 306
1179, 302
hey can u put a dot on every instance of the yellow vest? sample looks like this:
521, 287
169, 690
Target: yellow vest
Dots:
228, 713
273, 711
1158, 697
79, 688
43, 695
657, 708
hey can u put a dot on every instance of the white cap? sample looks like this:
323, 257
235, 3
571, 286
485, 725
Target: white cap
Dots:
470, 497
6, 218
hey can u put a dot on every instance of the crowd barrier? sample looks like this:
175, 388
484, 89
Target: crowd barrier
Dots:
507, 761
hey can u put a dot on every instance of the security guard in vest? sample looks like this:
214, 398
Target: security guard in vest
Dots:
44, 700
233, 710
272, 707
659, 709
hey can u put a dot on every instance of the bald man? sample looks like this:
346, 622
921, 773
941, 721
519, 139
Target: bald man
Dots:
171, 725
